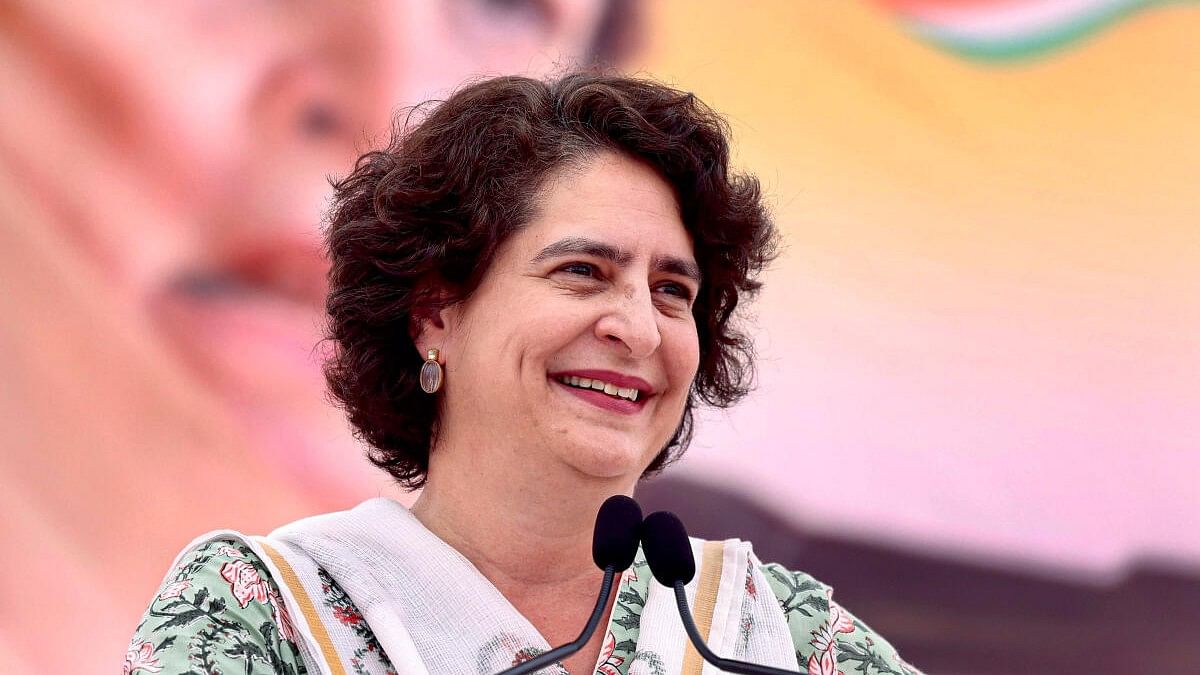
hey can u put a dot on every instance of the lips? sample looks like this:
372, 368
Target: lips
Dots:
254, 342
601, 399
645, 389
255, 349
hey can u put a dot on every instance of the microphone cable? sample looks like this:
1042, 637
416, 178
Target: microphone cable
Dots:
669, 554
614, 546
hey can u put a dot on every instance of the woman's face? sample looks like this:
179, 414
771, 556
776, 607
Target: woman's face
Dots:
199, 137
597, 287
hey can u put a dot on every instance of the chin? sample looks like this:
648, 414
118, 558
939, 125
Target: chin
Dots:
610, 461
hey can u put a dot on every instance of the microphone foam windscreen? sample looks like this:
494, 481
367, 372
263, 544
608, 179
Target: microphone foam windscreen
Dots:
615, 540
668, 551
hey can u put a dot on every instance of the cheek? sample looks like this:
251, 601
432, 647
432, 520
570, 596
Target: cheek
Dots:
512, 324
683, 357
550, 322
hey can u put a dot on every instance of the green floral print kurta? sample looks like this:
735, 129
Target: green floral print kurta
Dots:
219, 611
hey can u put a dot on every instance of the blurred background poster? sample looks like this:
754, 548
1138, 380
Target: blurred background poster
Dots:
979, 404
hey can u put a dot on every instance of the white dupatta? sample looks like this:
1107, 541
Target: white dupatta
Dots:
432, 612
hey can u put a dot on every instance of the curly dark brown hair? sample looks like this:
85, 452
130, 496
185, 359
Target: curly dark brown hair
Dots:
430, 211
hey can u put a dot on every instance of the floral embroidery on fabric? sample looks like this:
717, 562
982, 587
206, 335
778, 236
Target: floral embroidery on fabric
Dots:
287, 629
358, 663
347, 614
245, 582
142, 658
804, 595
646, 662
825, 637
203, 621
526, 654
825, 634
506, 650
746, 620
626, 618
824, 660
230, 552
609, 664
174, 590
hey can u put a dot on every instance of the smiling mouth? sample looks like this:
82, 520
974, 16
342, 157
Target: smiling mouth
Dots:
628, 393
600, 396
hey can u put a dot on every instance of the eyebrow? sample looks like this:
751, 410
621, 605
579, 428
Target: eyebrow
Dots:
619, 257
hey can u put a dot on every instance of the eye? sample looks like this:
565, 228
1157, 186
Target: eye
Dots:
581, 269
498, 24
678, 290
529, 11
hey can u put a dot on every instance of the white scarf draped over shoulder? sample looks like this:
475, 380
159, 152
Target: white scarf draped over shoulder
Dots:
431, 611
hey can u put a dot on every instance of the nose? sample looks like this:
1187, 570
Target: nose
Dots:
318, 100
632, 322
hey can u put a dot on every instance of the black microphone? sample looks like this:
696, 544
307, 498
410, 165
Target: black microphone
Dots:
669, 554
614, 545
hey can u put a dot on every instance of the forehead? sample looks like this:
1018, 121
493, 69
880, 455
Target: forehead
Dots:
611, 198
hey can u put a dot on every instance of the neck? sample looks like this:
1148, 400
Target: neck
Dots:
526, 530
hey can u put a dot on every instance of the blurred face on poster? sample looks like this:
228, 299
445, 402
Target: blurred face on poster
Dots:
184, 150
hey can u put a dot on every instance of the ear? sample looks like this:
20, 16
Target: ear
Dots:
430, 325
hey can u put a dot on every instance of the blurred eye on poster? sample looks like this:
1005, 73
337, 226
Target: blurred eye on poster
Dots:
977, 400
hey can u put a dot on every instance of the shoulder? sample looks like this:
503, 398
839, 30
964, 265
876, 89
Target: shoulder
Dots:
217, 609
828, 638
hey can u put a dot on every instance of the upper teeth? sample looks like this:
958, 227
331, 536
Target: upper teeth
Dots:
630, 393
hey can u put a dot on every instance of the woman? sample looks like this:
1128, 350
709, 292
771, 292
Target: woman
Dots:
530, 292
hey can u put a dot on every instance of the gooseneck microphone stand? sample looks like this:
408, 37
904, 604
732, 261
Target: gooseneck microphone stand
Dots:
558, 653
614, 545
669, 554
